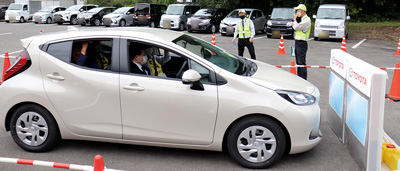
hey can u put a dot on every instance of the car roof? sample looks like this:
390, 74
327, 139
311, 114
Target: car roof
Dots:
135, 32
184, 5
341, 6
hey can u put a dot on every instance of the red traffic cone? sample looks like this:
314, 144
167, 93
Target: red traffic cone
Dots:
343, 47
281, 50
40, 31
213, 39
98, 163
394, 94
293, 69
398, 49
5, 66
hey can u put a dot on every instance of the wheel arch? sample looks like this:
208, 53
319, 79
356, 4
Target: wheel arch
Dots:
286, 132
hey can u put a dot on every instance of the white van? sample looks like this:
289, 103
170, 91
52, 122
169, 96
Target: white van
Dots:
332, 21
17, 12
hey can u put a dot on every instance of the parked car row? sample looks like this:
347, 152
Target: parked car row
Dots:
331, 20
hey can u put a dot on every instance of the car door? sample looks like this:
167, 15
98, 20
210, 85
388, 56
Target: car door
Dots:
25, 12
128, 16
87, 99
165, 110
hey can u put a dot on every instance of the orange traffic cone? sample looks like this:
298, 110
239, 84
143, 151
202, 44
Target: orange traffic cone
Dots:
281, 50
293, 69
213, 39
398, 49
5, 66
394, 94
98, 163
40, 31
343, 47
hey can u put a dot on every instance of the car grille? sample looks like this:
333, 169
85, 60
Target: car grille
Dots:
325, 26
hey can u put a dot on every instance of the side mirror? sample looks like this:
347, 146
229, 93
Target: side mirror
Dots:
53, 11
348, 17
314, 16
80, 10
127, 13
192, 77
187, 12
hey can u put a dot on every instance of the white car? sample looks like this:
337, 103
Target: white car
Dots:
70, 15
210, 99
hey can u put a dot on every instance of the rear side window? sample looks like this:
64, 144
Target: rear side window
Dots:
61, 51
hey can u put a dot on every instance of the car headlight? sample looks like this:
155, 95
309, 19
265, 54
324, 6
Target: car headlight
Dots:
205, 21
317, 24
269, 23
297, 98
189, 21
341, 26
289, 24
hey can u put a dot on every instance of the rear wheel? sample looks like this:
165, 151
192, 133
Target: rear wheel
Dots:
152, 24
256, 142
34, 129
213, 28
181, 27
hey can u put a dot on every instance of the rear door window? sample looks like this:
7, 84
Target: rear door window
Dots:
61, 51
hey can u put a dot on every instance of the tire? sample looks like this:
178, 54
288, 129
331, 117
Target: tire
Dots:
21, 19
269, 36
214, 28
83, 24
152, 24
7, 21
181, 27
315, 38
32, 122
48, 20
73, 20
223, 34
36, 22
258, 152
122, 23
107, 25
59, 23
96, 22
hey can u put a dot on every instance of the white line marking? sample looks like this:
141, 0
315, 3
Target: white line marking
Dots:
260, 37
1, 34
359, 43
2, 55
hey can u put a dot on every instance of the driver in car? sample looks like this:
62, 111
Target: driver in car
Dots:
155, 62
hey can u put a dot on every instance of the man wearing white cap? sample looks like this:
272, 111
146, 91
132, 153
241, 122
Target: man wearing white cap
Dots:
245, 29
301, 26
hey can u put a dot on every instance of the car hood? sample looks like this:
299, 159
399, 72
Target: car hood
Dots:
231, 21
112, 15
330, 22
200, 17
66, 12
275, 78
280, 21
86, 14
165, 16
41, 13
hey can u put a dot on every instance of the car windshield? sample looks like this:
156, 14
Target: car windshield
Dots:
331, 13
235, 14
95, 10
121, 10
48, 9
73, 8
174, 10
142, 8
282, 13
205, 12
15, 7
212, 53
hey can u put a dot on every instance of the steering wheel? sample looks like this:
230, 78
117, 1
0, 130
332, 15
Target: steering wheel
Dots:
180, 72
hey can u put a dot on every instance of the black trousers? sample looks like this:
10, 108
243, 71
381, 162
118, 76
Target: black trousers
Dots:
300, 52
246, 42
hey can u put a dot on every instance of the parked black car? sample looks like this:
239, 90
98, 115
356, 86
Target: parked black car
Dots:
148, 14
3, 9
280, 22
94, 16
207, 19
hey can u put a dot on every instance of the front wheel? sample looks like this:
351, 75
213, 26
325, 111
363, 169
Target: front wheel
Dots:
34, 129
48, 20
97, 22
21, 19
213, 28
73, 20
256, 142
122, 23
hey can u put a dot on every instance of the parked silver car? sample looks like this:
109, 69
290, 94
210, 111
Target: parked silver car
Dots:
227, 26
46, 15
120, 17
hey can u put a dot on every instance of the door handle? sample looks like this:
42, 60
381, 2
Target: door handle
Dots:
55, 76
133, 87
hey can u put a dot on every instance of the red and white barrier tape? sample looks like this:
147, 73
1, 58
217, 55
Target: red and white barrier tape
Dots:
48, 164
315, 66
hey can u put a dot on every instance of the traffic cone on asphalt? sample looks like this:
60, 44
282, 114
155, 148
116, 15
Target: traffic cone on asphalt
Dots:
5, 66
98, 163
281, 50
293, 69
343, 47
394, 94
213, 39
398, 49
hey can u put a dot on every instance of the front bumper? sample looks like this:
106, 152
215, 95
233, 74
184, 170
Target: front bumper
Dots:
12, 17
39, 19
61, 19
199, 27
282, 30
227, 29
330, 32
169, 24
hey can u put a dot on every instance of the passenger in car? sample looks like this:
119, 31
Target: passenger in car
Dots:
155, 62
91, 55
138, 63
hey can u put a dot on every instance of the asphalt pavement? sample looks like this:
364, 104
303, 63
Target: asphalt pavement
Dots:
330, 154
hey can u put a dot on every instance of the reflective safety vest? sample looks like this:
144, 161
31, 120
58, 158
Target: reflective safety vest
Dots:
300, 35
247, 30
153, 64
